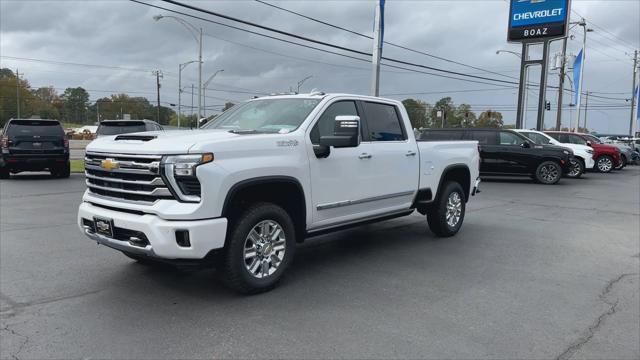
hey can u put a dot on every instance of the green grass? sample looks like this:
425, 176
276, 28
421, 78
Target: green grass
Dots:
77, 166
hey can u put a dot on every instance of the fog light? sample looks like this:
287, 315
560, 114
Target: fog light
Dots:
182, 238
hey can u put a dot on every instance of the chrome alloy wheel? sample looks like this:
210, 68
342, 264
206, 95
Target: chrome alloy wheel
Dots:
575, 168
605, 164
549, 173
264, 249
454, 209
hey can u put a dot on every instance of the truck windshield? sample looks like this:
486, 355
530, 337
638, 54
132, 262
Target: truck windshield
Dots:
265, 116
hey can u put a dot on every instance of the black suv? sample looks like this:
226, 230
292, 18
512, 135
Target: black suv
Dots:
34, 145
505, 152
117, 127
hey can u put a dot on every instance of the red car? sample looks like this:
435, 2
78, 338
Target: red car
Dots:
606, 157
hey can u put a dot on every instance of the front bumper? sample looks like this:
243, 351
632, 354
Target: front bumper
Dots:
204, 235
589, 162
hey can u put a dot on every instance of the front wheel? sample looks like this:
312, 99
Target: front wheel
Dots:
604, 163
548, 173
623, 163
576, 168
447, 214
260, 246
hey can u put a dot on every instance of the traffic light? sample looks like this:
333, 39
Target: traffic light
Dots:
548, 106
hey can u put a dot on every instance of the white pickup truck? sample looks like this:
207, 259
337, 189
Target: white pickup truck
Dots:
266, 174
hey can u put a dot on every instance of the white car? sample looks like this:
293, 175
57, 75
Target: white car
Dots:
266, 174
582, 153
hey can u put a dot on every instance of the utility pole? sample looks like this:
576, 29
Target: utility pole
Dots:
378, 34
158, 74
17, 94
561, 83
586, 108
633, 92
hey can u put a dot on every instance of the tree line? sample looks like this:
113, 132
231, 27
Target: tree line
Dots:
73, 105
445, 113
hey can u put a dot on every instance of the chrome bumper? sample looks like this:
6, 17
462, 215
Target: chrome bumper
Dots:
476, 187
118, 244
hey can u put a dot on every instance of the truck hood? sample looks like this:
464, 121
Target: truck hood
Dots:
159, 142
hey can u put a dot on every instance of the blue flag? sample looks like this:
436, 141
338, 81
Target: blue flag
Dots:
577, 69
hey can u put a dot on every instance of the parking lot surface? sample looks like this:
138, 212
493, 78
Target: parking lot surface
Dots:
545, 272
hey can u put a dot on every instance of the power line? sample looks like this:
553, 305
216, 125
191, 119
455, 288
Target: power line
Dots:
386, 42
76, 64
633, 47
306, 39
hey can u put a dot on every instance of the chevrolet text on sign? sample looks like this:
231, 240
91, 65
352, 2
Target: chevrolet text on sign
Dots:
538, 19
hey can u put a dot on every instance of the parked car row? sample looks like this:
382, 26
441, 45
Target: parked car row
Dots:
544, 156
42, 145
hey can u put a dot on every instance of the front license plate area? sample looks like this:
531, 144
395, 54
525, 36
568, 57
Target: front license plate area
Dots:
103, 226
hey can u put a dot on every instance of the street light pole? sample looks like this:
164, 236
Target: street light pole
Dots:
197, 35
180, 68
302, 82
526, 86
582, 23
204, 90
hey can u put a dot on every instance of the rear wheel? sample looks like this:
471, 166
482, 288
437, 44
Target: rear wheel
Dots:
260, 246
548, 173
447, 214
576, 168
604, 163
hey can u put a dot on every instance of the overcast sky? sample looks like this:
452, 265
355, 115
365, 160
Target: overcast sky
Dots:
123, 35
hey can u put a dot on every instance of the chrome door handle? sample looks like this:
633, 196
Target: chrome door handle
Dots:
364, 156
410, 153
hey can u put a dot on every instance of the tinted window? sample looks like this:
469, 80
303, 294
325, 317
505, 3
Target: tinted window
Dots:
507, 138
575, 139
383, 122
34, 128
326, 124
537, 138
484, 137
441, 135
121, 127
593, 139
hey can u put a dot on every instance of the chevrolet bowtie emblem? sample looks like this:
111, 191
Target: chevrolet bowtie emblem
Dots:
109, 164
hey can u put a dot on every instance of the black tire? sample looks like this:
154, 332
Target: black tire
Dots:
437, 215
623, 163
4, 173
576, 168
604, 164
548, 173
63, 171
235, 265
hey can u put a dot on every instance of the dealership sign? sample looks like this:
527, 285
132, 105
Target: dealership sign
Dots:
532, 20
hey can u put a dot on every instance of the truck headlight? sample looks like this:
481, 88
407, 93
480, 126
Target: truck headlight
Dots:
179, 172
185, 165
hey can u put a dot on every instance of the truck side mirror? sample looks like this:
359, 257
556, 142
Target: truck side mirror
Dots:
346, 133
525, 145
589, 143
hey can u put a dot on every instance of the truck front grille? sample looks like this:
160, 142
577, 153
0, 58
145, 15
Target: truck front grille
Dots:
126, 177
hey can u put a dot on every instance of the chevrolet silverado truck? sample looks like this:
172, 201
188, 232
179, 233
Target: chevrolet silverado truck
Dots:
266, 174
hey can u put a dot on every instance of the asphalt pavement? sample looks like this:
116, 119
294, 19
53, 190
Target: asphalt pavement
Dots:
537, 272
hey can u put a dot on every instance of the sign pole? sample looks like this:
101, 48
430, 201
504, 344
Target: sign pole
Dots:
522, 87
542, 100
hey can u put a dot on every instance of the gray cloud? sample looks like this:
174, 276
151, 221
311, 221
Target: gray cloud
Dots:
123, 34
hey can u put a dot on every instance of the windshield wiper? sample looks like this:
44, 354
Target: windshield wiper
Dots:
241, 132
